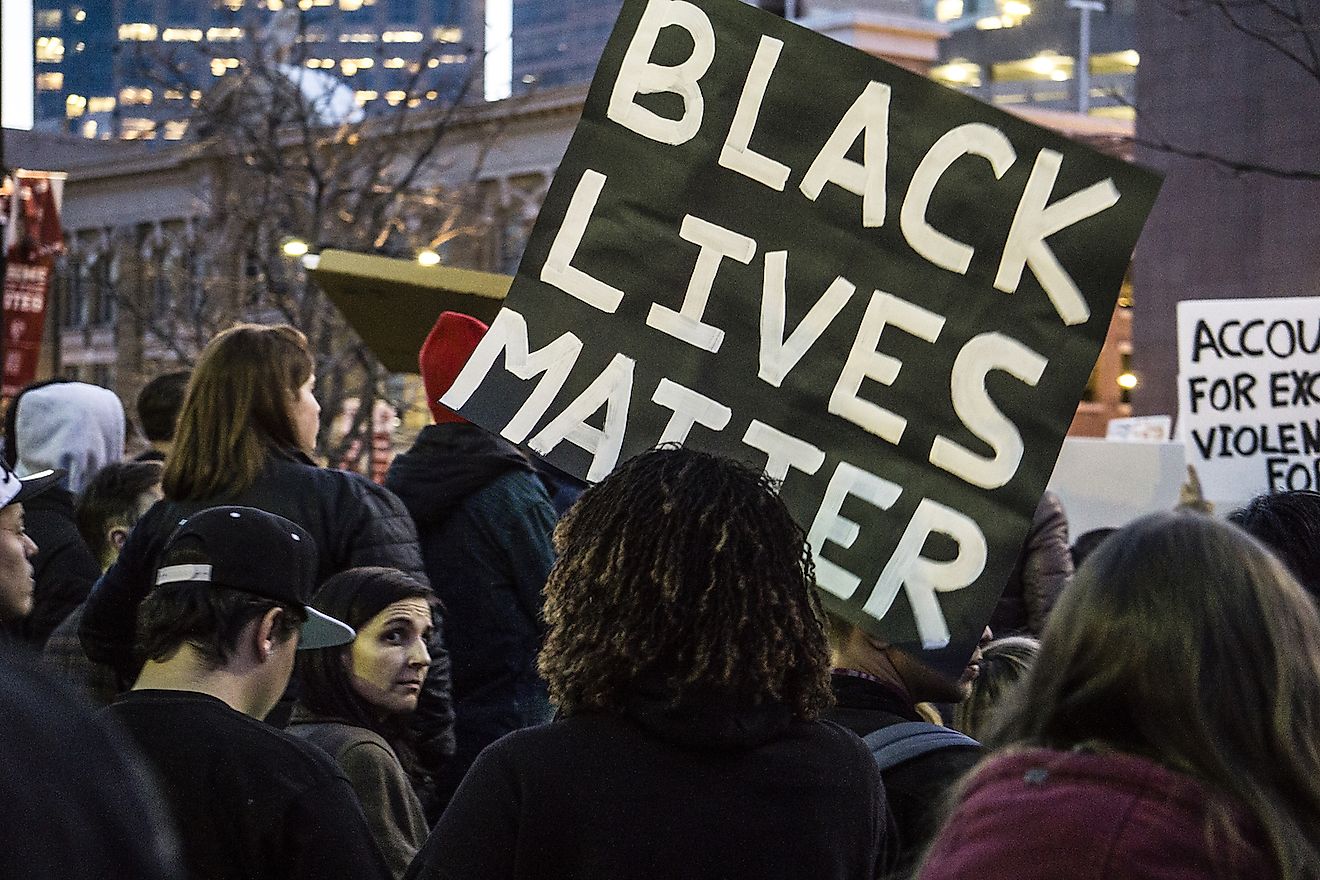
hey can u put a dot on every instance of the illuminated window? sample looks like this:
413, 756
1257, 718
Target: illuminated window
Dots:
1115, 62
173, 95
48, 18
357, 38
182, 35
175, 129
100, 105
50, 49
348, 66
131, 96
74, 106
394, 63
89, 128
401, 37
957, 73
79, 14
304, 5
137, 129
395, 97
50, 82
137, 30
453, 59
432, 95
274, 5
365, 95
195, 95
78, 47
948, 10
1045, 66
447, 34
434, 62
350, 5
224, 34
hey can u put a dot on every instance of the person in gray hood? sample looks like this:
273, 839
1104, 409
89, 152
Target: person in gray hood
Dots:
78, 428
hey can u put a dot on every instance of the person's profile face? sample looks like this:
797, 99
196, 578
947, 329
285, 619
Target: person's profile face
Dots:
306, 416
16, 551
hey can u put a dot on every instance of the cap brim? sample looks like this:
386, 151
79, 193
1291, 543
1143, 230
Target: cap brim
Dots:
323, 631
37, 483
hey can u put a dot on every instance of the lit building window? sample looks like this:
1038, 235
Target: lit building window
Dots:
948, 10
401, 37
78, 47
224, 34
100, 105
394, 63
453, 59
447, 35
432, 95
1124, 62
175, 129
50, 49
365, 95
357, 38
395, 97
137, 129
74, 106
274, 5
48, 18
79, 14
195, 95
89, 128
137, 30
131, 96
220, 65
173, 95
350, 5
957, 73
182, 35
50, 82
1045, 66
434, 62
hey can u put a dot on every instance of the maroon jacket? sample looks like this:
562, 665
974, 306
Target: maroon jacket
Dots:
1039, 814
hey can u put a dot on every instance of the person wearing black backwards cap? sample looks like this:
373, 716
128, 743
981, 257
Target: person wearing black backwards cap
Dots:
219, 631
16, 548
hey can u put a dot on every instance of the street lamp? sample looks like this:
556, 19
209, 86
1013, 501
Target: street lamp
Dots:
428, 258
1127, 381
295, 247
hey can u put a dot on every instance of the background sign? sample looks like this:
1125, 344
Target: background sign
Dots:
32, 240
1249, 395
767, 244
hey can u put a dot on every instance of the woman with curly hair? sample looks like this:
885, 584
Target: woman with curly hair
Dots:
688, 662
1167, 729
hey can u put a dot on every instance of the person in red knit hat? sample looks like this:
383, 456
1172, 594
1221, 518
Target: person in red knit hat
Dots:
484, 519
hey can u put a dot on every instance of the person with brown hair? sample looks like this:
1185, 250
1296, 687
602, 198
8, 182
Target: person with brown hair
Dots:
1167, 728
248, 426
1004, 665
688, 661
355, 699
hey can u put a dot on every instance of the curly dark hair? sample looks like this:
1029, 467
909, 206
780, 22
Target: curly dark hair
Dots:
684, 567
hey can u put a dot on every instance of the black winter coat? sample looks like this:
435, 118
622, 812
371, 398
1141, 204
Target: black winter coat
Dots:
64, 569
917, 788
484, 520
354, 521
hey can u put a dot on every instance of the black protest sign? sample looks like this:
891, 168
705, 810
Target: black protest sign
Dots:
770, 245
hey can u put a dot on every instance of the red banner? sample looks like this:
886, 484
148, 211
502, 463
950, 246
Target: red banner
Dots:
33, 240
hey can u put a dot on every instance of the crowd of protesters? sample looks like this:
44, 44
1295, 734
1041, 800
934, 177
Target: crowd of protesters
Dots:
225, 661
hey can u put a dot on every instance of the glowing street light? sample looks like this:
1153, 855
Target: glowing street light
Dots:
1127, 381
295, 248
428, 258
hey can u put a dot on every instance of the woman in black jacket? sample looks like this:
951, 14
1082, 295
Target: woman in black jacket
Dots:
687, 658
248, 424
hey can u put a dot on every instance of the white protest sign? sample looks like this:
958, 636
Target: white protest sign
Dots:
1140, 429
1249, 394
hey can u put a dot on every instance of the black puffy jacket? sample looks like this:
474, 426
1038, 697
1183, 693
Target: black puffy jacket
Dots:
354, 521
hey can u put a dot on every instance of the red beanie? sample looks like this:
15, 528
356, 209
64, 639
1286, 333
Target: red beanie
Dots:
446, 349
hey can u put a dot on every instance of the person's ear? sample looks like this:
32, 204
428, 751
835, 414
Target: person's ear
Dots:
265, 635
116, 536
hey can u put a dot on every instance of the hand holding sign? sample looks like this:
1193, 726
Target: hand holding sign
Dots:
717, 264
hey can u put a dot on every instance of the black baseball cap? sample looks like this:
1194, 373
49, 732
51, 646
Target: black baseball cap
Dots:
15, 489
255, 552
